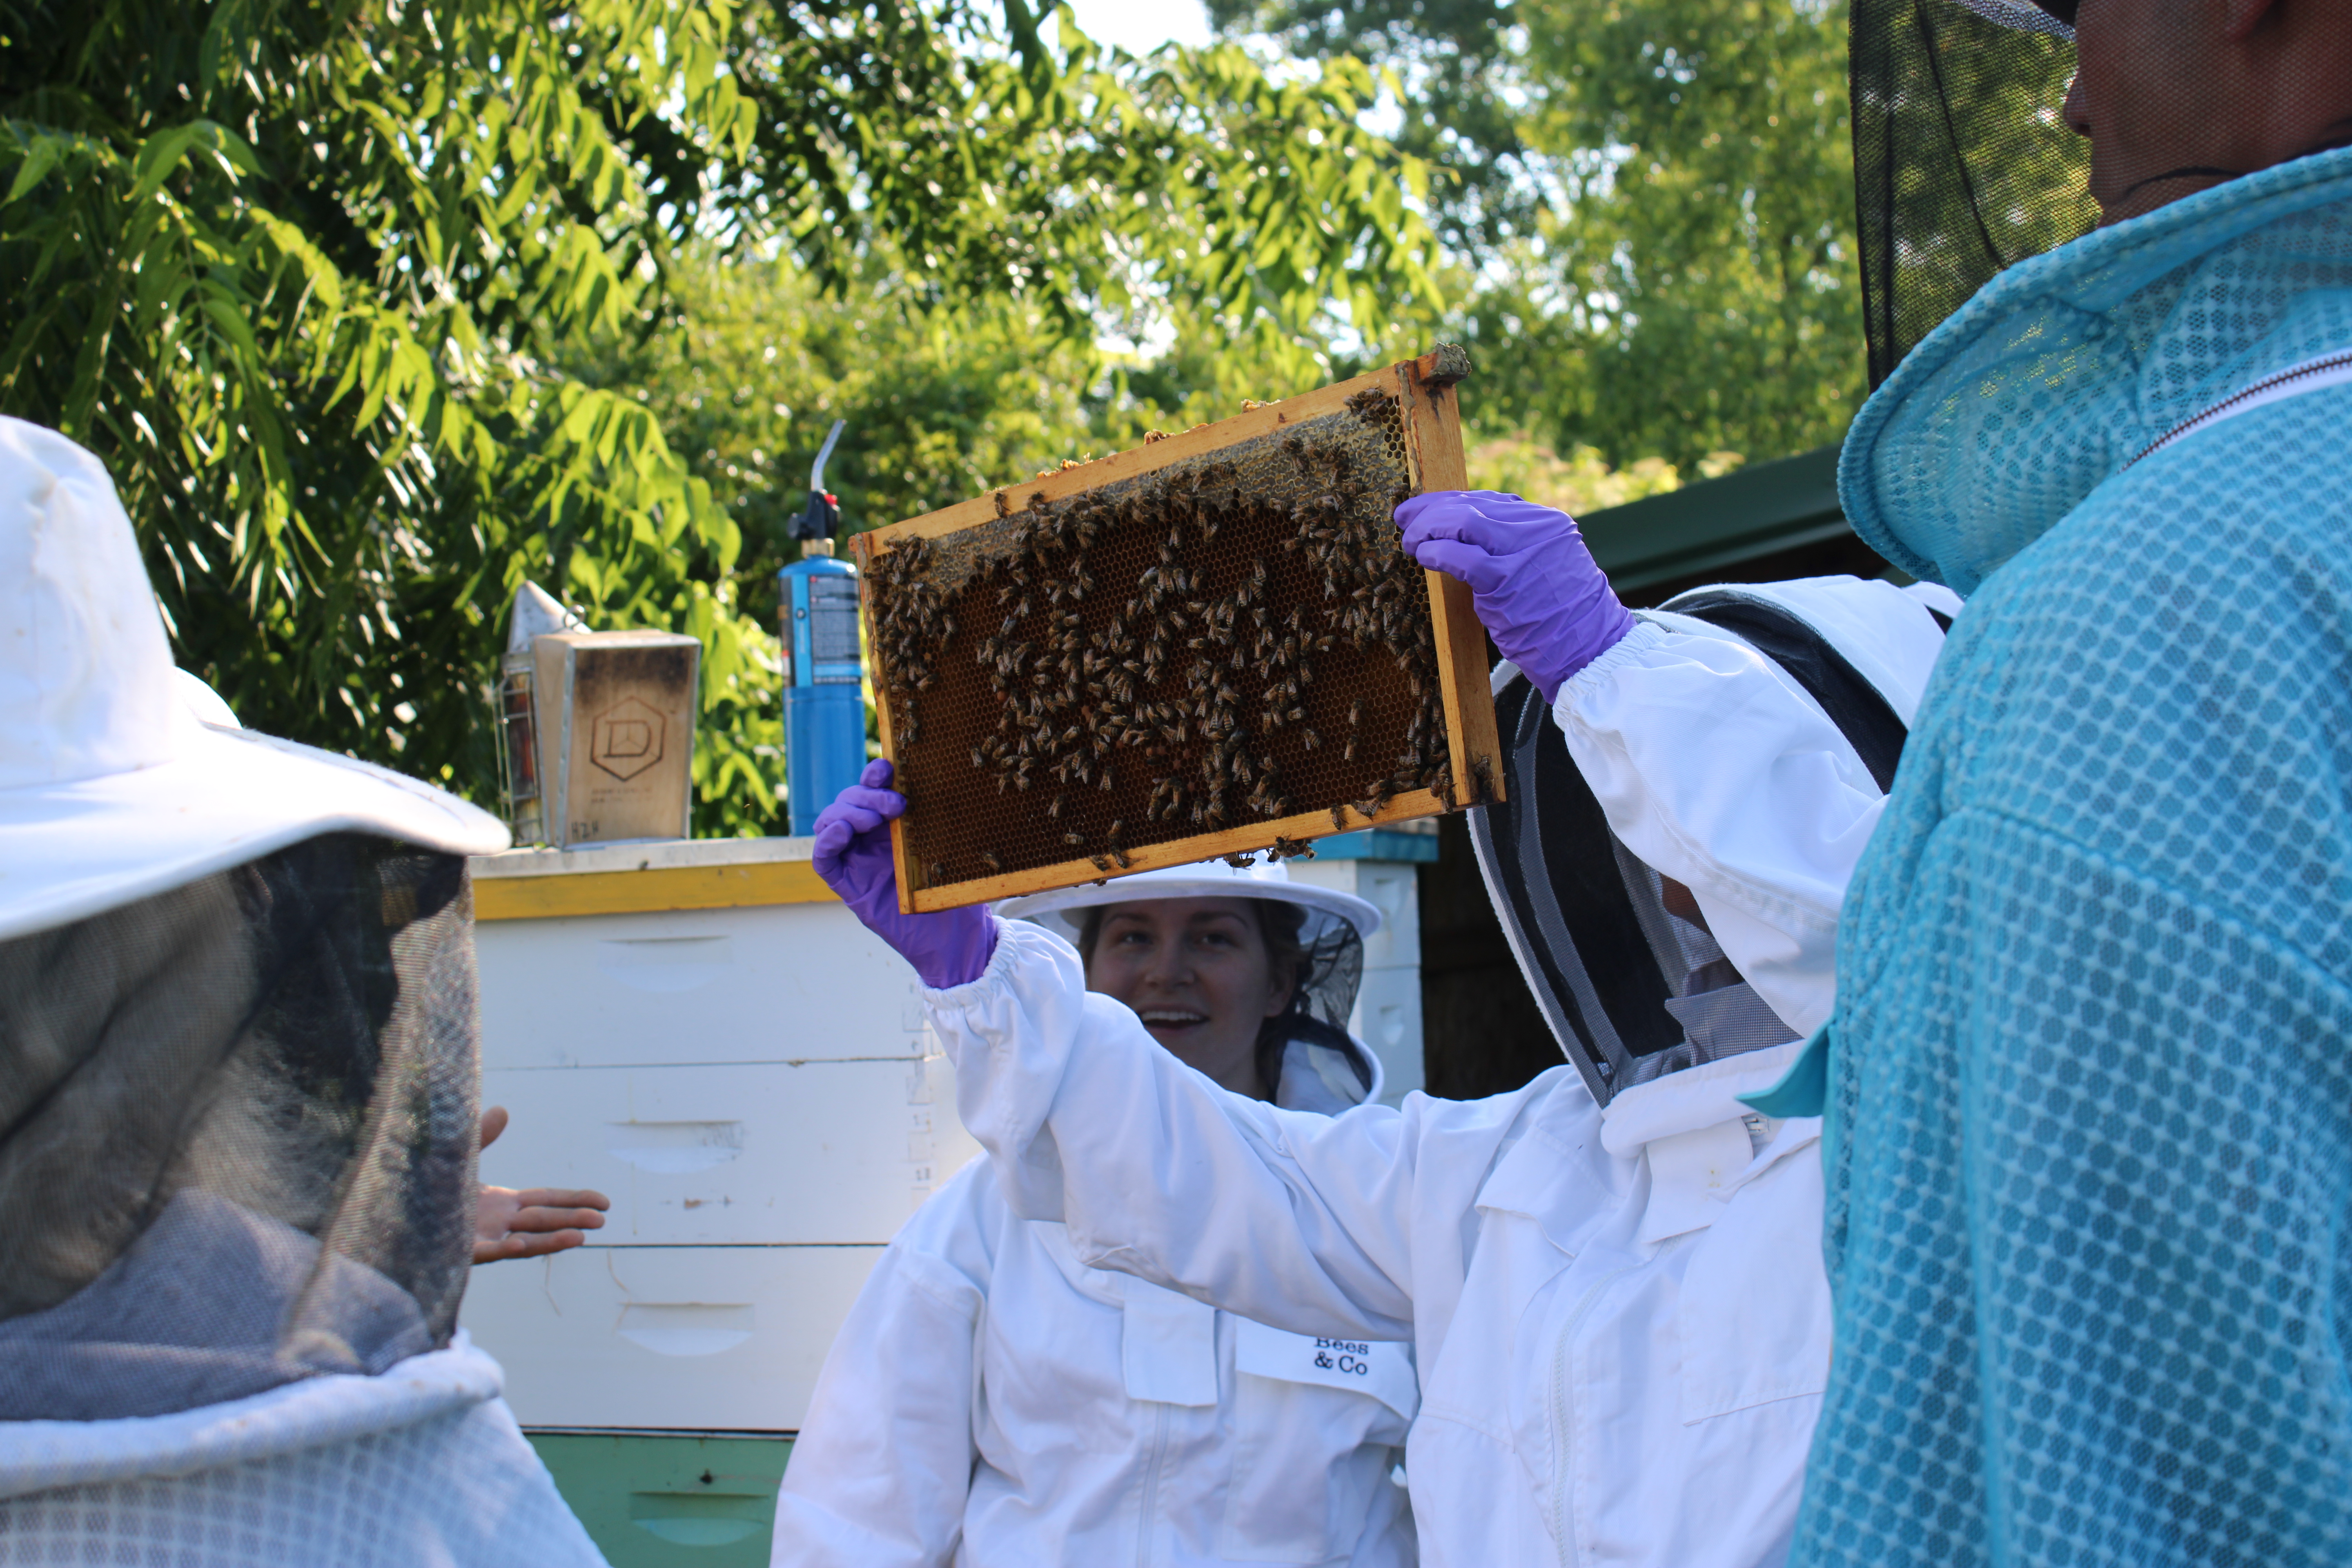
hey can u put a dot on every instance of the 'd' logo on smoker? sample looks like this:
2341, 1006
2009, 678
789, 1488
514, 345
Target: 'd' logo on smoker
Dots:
628, 739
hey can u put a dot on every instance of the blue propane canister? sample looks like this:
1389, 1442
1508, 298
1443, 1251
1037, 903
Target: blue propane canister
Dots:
825, 711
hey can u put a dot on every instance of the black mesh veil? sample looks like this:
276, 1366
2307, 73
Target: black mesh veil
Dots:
1330, 971
237, 1125
1623, 965
1605, 961
1963, 163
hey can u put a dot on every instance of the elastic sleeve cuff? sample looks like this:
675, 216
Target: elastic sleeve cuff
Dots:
997, 976
1627, 649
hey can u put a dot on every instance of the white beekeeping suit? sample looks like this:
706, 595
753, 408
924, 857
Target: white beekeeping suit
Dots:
993, 1400
1611, 1277
238, 1086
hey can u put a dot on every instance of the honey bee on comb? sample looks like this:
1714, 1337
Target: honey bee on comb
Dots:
1211, 646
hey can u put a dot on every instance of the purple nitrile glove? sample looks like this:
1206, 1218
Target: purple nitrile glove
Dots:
948, 947
1537, 590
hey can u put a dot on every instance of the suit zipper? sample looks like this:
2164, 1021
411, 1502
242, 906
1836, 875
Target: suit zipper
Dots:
1563, 1410
1151, 1486
2314, 375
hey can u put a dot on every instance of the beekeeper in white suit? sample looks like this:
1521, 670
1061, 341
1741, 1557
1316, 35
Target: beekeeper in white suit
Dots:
1611, 1277
238, 1087
993, 1400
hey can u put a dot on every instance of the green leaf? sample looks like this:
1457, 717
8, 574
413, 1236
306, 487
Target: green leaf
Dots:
36, 156
161, 155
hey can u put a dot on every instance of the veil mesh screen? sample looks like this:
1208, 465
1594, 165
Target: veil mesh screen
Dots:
237, 1124
1962, 162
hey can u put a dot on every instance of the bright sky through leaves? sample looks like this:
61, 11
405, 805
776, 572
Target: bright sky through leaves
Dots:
1140, 27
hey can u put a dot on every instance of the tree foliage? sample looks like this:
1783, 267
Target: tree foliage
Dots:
333, 287
1699, 267
1581, 481
1461, 107
1687, 283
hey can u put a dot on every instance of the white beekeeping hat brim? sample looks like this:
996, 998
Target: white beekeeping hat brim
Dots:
1063, 909
111, 789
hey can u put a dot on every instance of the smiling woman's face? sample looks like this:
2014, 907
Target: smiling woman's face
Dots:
1197, 971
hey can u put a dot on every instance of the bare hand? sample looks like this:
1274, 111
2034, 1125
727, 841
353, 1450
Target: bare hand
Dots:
530, 1222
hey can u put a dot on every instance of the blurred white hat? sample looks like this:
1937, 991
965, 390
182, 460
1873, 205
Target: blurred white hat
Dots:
201, 700
111, 788
1061, 911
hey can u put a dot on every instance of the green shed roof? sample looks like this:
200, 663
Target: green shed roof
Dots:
1719, 528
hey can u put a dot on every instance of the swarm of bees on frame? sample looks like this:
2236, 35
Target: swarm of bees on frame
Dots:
1177, 691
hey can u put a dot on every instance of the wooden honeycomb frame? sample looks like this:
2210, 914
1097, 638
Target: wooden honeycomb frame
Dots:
1423, 391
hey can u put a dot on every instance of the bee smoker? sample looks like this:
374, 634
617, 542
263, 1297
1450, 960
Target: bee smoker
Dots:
596, 729
536, 612
816, 613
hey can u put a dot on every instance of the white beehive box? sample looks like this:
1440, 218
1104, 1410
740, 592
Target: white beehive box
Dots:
702, 1031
